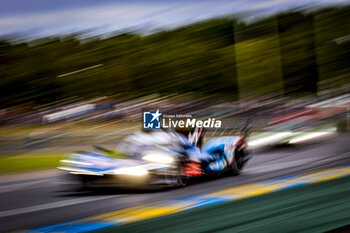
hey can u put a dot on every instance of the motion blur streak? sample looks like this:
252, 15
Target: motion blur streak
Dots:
269, 138
309, 136
157, 209
288, 117
275, 74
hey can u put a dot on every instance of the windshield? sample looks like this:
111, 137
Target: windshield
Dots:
138, 143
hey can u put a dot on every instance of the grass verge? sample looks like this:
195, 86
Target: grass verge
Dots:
317, 207
29, 161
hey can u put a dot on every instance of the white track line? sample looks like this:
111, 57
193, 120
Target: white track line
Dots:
53, 205
14, 187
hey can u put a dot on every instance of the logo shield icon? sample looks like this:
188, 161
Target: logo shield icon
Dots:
151, 120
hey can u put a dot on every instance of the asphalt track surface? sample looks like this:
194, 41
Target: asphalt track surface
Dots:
34, 201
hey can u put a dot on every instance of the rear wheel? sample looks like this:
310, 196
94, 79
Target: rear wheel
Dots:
237, 163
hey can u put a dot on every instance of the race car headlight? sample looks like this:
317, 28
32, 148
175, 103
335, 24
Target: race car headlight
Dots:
158, 158
134, 171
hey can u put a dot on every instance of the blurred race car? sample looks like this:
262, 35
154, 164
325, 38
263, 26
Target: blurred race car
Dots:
158, 158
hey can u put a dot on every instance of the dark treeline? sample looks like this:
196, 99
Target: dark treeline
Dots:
294, 52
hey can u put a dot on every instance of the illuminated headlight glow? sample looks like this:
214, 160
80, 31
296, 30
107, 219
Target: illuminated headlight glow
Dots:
158, 158
312, 136
269, 139
134, 171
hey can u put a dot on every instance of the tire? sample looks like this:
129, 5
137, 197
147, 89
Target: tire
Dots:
237, 163
182, 179
85, 184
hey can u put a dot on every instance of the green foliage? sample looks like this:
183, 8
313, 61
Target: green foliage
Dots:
287, 52
257, 74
